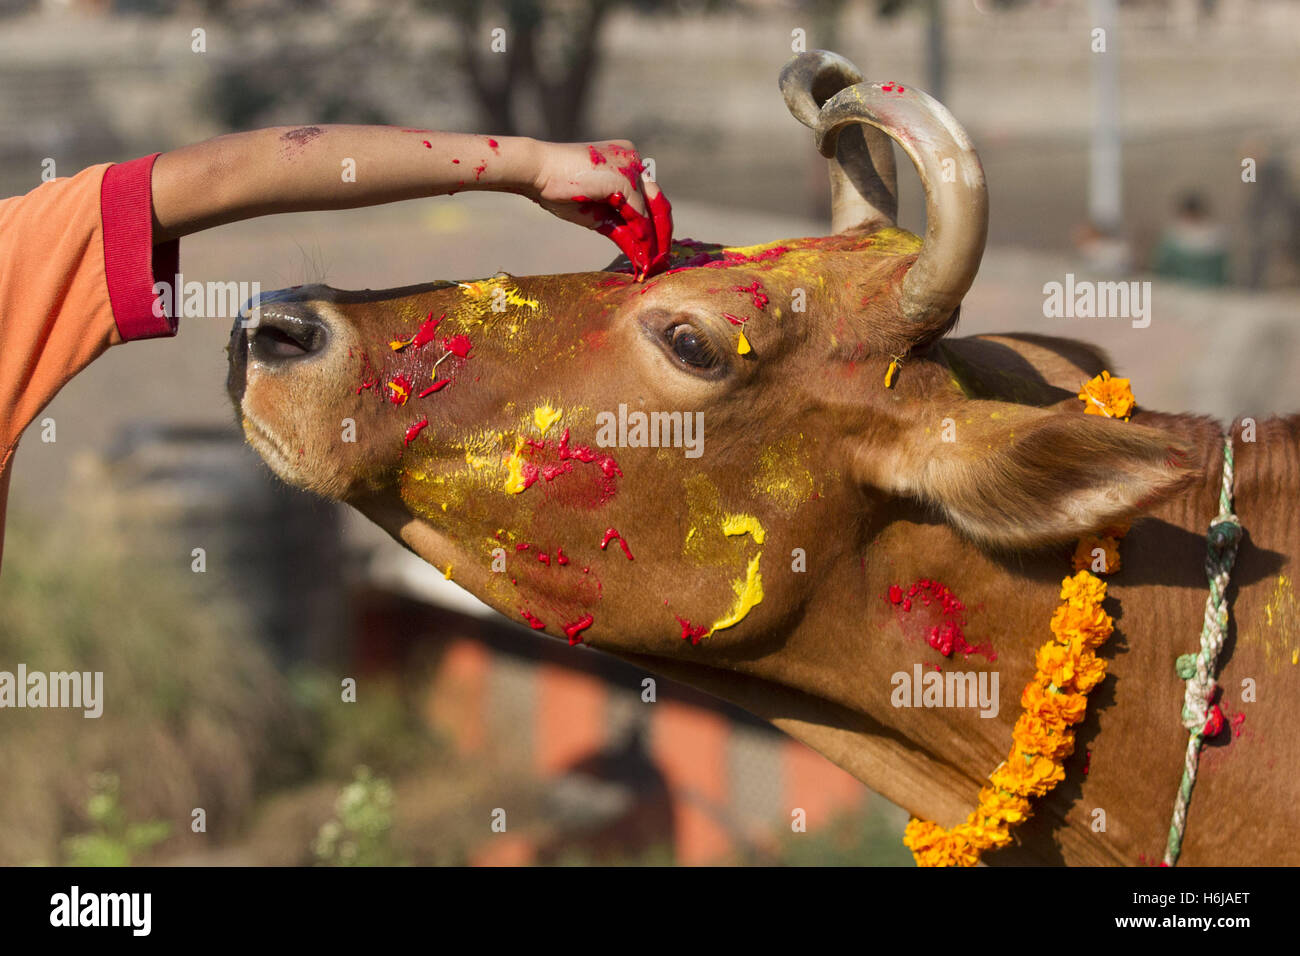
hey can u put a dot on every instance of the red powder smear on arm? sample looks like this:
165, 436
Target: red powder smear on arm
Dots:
572, 631
427, 144
613, 535
456, 162
415, 430
533, 620
691, 632
596, 158
479, 170
458, 345
493, 144
436, 387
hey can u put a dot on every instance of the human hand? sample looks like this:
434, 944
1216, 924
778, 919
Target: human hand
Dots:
602, 186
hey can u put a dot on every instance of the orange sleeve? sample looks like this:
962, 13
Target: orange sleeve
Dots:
77, 270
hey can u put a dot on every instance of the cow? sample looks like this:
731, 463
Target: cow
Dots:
728, 474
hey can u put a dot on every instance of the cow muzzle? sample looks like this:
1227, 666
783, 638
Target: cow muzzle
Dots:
274, 335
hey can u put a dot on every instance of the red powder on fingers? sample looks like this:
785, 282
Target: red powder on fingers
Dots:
613, 535
574, 630
533, 620
415, 430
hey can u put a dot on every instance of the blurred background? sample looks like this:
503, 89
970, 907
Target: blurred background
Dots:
1171, 157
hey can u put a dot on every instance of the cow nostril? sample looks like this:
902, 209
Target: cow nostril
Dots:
282, 337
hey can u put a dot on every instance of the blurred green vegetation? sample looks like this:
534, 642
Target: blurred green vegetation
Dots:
361, 831
115, 841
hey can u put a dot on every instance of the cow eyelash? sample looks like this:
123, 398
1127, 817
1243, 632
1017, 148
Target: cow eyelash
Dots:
692, 347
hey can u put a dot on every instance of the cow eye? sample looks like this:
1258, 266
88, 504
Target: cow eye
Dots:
691, 346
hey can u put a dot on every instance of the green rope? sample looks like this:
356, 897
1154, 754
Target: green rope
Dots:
1198, 669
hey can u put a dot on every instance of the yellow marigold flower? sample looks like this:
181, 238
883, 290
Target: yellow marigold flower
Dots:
1066, 708
1083, 590
1108, 396
1086, 559
1089, 625
1046, 738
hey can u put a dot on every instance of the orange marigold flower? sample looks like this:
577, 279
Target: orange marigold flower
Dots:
1083, 590
1086, 557
1044, 737
1056, 663
1066, 708
1089, 625
1108, 396
1088, 672
1029, 774
932, 845
1007, 807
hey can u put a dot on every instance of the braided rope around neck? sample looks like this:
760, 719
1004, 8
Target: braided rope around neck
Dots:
1198, 669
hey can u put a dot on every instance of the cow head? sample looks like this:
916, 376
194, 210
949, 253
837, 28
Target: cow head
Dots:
631, 464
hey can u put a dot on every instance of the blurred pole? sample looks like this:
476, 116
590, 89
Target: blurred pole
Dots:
1104, 183
936, 51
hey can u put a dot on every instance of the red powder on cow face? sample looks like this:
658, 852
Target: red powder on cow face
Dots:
613, 535
533, 620
415, 430
691, 632
458, 345
549, 460
436, 387
734, 319
948, 635
544, 558
756, 290
560, 557
399, 389
574, 630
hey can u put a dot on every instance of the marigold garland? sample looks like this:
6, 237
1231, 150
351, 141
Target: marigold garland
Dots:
1055, 700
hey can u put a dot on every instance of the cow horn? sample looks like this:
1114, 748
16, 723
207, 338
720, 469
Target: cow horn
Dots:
956, 198
864, 183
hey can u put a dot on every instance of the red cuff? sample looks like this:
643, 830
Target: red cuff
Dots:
132, 263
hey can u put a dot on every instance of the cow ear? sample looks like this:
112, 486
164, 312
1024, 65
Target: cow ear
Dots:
1018, 477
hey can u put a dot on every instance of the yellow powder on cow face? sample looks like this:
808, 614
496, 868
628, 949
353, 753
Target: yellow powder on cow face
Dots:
544, 416
749, 592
